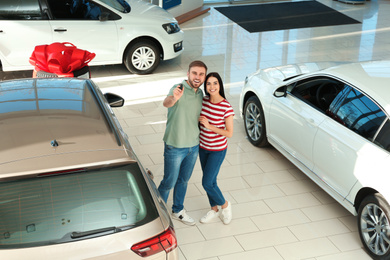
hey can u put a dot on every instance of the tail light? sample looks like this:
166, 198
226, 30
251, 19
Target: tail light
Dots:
164, 242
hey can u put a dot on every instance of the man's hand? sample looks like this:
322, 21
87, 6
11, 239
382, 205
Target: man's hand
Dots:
169, 101
178, 92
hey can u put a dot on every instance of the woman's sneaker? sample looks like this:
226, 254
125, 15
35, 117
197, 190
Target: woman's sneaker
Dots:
226, 214
209, 217
183, 217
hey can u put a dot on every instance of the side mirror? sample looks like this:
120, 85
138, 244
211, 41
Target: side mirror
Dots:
104, 16
114, 100
281, 92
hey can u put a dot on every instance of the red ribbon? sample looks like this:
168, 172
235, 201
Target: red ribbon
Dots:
60, 58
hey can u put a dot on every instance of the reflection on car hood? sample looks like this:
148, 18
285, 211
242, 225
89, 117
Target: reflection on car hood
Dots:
276, 75
143, 8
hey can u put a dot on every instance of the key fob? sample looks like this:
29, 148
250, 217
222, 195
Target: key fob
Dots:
181, 86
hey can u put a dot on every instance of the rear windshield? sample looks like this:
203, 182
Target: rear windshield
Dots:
20, 10
64, 208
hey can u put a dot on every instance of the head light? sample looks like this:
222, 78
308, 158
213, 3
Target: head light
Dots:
171, 28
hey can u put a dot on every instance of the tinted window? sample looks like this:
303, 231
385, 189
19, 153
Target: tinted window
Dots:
47, 210
120, 5
20, 10
75, 9
359, 113
318, 92
383, 138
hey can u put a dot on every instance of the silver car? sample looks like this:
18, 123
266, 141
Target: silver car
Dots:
71, 185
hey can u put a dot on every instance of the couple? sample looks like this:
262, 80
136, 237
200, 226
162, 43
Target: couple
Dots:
196, 125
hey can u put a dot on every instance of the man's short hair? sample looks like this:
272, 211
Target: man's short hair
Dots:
197, 63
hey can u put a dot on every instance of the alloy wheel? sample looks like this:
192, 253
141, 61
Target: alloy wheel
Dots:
375, 229
253, 122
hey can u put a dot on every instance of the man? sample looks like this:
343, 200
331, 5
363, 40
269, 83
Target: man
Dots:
181, 138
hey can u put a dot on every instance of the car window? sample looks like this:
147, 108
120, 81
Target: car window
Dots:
53, 209
318, 92
383, 137
120, 5
20, 10
359, 113
75, 9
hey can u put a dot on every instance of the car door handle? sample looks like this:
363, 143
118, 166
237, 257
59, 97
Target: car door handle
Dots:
311, 121
60, 30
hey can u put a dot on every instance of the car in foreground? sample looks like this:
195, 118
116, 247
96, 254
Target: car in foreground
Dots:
133, 32
71, 185
332, 121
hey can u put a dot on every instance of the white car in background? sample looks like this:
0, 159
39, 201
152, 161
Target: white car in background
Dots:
334, 125
133, 32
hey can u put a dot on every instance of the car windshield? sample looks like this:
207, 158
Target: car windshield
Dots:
62, 208
120, 5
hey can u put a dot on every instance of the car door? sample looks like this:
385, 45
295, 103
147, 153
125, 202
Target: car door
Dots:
343, 149
23, 25
89, 26
293, 122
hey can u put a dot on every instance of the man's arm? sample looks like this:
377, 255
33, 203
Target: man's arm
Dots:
169, 101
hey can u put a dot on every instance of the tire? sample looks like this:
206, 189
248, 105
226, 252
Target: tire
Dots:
143, 57
373, 224
254, 122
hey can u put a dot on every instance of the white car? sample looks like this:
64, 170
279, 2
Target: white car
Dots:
334, 125
132, 32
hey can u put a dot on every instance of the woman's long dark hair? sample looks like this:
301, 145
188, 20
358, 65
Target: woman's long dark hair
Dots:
221, 89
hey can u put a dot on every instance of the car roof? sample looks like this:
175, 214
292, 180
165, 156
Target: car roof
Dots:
54, 124
371, 77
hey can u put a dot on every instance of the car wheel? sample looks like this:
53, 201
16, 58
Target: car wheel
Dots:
142, 57
254, 122
373, 224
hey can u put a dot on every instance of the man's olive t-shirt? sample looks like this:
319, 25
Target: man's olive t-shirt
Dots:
182, 123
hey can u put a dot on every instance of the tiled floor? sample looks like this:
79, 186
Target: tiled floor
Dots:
278, 212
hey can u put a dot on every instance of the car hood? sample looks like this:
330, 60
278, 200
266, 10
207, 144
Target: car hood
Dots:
142, 8
276, 75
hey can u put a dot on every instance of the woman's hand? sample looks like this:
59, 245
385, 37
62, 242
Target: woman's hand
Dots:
203, 120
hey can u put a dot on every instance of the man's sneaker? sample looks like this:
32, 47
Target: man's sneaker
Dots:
209, 217
183, 217
226, 214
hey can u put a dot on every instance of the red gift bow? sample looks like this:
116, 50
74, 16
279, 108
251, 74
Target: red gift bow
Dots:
60, 58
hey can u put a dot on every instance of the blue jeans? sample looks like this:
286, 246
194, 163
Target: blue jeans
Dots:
178, 166
211, 162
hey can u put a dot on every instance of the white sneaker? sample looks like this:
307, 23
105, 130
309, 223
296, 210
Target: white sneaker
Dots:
226, 214
209, 217
183, 217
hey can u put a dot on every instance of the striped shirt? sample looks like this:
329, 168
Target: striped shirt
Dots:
216, 115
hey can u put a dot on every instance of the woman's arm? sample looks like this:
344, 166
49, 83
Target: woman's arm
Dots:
228, 131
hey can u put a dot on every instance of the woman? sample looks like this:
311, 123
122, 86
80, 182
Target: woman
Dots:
216, 124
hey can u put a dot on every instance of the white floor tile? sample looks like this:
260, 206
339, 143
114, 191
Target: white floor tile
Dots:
261, 239
306, 249
211, 248
264, 253
281, 219
318, 229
